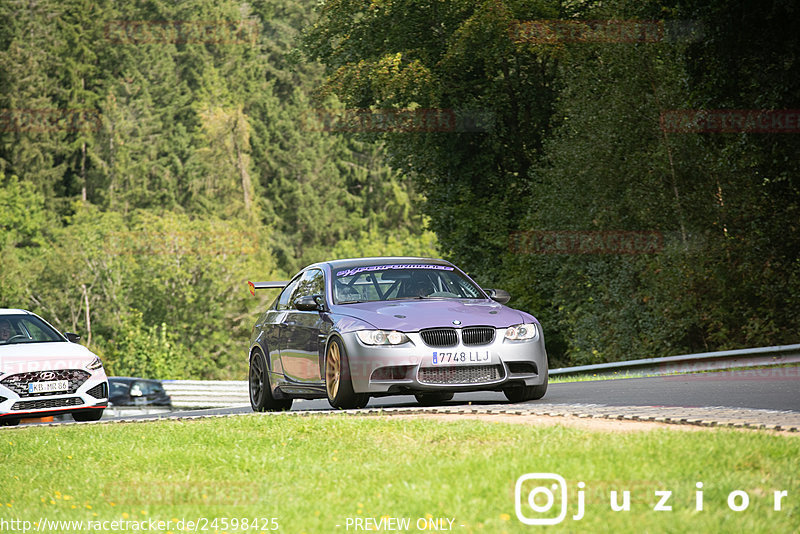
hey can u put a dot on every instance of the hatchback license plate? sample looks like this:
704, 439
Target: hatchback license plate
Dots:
462, 357
48, 387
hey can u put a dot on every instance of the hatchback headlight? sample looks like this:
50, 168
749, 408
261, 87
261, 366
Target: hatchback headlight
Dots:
381, 337
95, 364
520, 332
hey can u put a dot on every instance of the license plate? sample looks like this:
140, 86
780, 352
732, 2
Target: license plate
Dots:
461, 357
48, 387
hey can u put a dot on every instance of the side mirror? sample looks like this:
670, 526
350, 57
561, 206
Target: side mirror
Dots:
499, 295
308, 303
72, 337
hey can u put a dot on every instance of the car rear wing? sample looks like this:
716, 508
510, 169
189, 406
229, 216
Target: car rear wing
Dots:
266, 285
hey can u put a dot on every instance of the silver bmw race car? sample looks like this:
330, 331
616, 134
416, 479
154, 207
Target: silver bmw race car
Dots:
353, 329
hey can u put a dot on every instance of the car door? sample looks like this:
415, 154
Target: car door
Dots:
160, 397
272, 334
300, 332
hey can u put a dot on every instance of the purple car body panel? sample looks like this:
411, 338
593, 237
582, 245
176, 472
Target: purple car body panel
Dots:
415, 315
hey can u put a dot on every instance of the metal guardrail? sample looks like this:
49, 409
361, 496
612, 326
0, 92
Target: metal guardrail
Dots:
692, 363
207, 393
227, 393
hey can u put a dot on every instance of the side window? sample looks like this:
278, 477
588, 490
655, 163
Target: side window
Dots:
311, 283
147, 389
137, 389
283, 300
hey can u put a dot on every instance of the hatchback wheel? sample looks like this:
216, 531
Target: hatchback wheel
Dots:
83, 416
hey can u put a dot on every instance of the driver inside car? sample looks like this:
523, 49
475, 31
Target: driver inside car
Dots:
420, 287
6, 332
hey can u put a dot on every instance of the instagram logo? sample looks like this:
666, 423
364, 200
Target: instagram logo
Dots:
535, 498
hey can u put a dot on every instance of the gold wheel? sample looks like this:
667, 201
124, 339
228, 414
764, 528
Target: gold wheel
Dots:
333, 369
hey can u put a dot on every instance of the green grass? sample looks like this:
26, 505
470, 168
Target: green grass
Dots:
312, 473
616, 375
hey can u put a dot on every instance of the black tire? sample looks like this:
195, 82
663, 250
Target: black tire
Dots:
526, 393
84, 416
338, 384
433, 398
9, 422
261, 399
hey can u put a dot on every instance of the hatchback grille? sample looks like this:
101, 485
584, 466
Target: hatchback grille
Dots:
439, 337
460, 374
47, 403
19, 383
100, 391
477, 335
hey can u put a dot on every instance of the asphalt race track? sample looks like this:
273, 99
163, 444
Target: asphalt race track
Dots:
765, 389
773, 389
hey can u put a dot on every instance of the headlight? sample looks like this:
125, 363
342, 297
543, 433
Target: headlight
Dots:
521, 331
381, 337
95, 364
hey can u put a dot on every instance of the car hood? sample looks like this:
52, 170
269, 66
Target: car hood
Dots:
31, 357
413, 315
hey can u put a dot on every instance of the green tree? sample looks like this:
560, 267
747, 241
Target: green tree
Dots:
449, 56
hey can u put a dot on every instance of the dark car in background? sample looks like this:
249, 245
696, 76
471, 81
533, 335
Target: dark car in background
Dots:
128, 391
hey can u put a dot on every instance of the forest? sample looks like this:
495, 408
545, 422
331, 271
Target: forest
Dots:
627, 170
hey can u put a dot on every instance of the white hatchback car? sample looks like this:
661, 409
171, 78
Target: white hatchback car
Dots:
44, 372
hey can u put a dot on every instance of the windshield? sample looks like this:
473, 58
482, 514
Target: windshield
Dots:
401, 281
26, 329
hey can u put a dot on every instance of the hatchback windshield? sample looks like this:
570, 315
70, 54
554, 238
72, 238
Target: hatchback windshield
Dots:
25, 329
401, 281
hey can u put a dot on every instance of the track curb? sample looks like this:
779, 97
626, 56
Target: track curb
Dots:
720, 417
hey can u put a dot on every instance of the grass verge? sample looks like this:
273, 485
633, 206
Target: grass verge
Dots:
321, 473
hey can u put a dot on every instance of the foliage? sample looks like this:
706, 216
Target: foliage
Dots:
154, 352
576, 145
195, 147
145, 177
378, 243
119, 279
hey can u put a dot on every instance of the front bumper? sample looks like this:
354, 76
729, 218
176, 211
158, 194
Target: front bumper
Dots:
88, 393
410, 367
